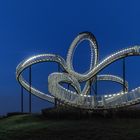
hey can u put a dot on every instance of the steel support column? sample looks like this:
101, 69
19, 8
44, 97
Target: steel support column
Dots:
68, 86
56, 102
90, 83
96, 86
21, 99
30, 84
124, 75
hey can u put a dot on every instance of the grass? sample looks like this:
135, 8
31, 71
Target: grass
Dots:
35, 127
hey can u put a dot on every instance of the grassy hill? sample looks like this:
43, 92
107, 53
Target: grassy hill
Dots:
36, 127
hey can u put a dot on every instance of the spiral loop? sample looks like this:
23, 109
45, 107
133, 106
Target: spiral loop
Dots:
78, 98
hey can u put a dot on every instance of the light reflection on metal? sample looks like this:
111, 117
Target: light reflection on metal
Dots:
81, 98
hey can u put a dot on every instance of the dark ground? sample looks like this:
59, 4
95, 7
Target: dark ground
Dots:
38, 127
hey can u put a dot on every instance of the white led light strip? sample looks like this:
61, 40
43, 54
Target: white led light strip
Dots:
78, 98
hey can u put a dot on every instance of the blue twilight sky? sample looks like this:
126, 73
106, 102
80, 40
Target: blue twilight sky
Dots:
30, 27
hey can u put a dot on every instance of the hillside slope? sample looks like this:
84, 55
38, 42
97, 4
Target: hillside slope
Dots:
35, 127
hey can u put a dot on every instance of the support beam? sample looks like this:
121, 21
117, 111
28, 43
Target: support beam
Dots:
124, 75
21, 99
30, 84
96, 91
55, 102
90, 83
68, 86
96, 86
59, 68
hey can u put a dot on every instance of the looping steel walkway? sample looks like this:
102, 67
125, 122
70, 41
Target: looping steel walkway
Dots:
78, 98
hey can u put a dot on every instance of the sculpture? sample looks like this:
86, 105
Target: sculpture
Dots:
82, 98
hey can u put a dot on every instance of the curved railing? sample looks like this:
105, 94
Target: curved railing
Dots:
78, 98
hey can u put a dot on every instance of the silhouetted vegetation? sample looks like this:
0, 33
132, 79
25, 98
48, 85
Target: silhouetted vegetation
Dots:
64, 112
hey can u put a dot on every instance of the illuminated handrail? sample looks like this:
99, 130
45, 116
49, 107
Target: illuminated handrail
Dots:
82, 98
